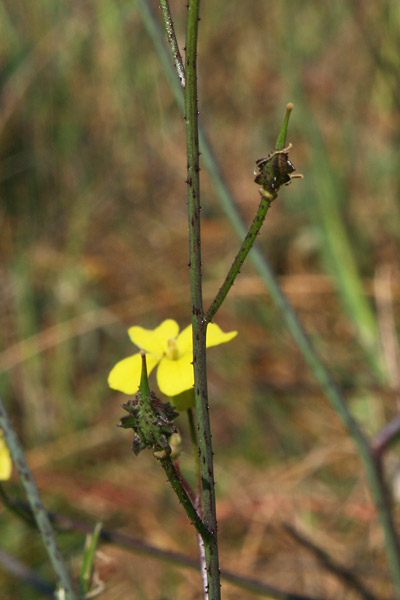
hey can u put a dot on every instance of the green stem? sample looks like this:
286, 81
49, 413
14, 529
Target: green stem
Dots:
281, 141
245, 248
198, 324
175, 481
35, 501
253, 231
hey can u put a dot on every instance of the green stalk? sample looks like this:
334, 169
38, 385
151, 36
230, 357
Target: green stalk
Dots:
177, 485
245, 248
35, 501
198, 323
252, 233
281, 140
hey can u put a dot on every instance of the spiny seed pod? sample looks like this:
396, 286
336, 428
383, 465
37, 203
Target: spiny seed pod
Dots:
152, 421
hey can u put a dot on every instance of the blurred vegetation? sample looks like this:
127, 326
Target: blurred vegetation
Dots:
94, 239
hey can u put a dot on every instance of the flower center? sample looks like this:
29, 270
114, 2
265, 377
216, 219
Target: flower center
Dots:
172, 353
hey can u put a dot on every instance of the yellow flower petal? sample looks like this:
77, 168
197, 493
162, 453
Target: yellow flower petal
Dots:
125, 376
175, 376
5, 461
216, 336
154, 340
184, 341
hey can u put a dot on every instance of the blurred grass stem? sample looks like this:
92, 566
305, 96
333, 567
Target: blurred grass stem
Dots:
342, 572
88, 558
22, 572
136, 545
35, 501
172, 41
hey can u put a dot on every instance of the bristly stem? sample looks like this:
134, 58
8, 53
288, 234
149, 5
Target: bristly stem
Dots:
245, 248
198, 324
38, 510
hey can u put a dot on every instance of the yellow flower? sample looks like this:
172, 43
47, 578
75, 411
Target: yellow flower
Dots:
5, 460
170, 350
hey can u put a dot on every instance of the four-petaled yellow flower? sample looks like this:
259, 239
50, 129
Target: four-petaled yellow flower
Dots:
5, 459
170, 350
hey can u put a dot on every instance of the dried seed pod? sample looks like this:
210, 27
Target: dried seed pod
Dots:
273, 171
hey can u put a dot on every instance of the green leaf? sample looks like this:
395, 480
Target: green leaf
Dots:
89, 553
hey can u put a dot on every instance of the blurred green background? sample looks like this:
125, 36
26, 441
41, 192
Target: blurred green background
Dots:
94, 239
